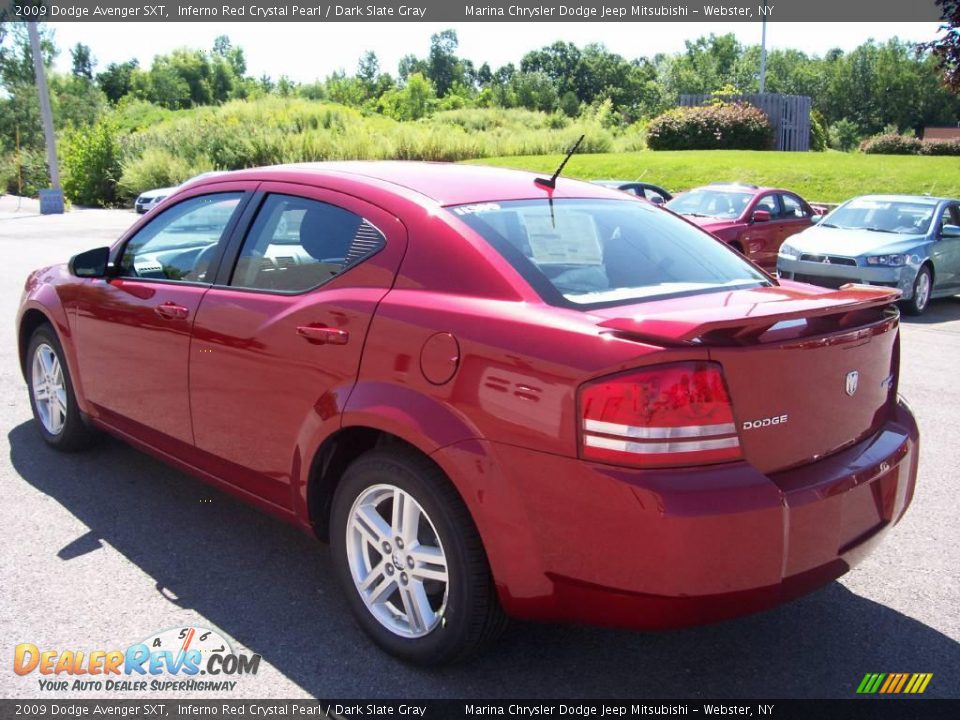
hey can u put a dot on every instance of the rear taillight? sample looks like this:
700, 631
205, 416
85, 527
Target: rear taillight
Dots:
669, 415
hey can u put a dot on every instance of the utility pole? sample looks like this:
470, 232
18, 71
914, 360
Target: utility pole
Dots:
763, 51
51, 201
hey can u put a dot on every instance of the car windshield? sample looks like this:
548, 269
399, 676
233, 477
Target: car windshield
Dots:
593, 253
904, 218
711, 203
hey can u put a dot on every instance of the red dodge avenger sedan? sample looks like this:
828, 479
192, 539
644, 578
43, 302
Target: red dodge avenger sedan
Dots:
494, 397
752, 220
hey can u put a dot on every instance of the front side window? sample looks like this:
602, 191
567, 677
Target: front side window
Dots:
770, 204
297, 244
711, 203
179, 243
593, 253
949, 216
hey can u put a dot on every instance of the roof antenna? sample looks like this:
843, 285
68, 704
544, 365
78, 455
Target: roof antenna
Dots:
552, 181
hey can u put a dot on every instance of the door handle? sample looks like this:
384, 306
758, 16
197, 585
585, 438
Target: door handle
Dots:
171, 311
323, 335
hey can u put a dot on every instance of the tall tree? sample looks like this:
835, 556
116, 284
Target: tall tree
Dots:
117, 79
82, 61
444, 68
946, 49
16, 60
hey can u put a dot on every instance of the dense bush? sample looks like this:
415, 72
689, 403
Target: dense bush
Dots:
157, 168
718, 127
844, 135
284, 130
818, 132
940, 147
891, 144
91, 164
28, 168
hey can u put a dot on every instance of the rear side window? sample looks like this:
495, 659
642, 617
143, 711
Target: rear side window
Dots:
297, 244
593, 253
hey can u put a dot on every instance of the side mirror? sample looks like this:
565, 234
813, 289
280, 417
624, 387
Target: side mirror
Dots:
816, 219
657, 200
761, 216
90, 264
950, 231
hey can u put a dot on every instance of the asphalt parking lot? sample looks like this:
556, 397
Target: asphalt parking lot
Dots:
101, 549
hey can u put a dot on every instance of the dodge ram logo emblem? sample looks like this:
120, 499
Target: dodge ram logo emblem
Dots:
853, 379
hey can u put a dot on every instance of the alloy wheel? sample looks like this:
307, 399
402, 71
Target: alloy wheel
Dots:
397, 561
922, 290
49, 389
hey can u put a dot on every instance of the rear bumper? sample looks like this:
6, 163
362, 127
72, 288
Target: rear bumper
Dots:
577, 541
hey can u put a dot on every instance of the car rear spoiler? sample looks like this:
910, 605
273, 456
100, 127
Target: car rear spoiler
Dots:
848, 307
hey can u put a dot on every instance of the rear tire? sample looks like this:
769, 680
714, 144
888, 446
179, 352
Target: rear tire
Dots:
922, 290
54, 404
425, 595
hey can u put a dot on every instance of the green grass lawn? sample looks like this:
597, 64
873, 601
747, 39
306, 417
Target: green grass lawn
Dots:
826, 177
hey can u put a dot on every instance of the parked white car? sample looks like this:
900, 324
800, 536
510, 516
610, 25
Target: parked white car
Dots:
149, 199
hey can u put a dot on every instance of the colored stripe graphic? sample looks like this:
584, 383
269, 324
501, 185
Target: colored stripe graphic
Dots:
894, 683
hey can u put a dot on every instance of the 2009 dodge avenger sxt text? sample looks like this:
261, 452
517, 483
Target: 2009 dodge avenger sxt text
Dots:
493, 397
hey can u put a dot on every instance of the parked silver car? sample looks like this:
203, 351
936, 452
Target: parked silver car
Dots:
908, 242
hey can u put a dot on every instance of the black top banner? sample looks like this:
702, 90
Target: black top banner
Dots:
460, 11
46, 709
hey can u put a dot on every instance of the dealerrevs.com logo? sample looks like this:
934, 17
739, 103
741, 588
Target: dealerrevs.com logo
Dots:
186, 659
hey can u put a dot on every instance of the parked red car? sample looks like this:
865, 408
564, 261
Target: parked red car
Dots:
752, 220
494, 398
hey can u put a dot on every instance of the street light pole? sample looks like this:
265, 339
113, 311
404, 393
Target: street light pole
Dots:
763, 51
51, 201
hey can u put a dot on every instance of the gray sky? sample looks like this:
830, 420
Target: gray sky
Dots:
306, 51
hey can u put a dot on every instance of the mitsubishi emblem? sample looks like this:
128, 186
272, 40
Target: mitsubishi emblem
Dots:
826, 261
853, 380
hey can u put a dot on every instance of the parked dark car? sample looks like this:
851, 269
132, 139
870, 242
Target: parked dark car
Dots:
648, 191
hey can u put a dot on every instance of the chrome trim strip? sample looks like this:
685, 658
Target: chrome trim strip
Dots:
632, 431
659, 448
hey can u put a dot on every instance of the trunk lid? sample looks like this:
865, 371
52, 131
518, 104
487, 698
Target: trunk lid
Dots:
809, 371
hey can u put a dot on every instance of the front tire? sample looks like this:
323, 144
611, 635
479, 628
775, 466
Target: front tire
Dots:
410, 559
52, 399
922, 290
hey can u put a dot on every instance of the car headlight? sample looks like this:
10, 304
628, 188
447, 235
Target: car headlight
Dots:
887, 260
789, 252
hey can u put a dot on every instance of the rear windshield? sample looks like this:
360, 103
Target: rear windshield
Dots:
594, 253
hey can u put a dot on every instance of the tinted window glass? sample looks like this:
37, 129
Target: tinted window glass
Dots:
792, 207
585, 253
770, 204
297, 244
179, 243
